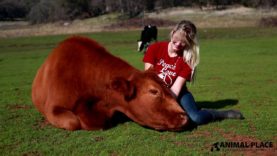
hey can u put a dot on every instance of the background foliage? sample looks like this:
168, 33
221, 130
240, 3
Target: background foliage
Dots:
41, 11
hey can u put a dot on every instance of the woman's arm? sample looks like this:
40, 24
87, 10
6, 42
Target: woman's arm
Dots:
177, 85
147, 66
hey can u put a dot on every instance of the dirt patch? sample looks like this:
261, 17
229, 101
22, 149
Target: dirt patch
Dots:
98, 138
248, 140
217, 78
167, 137
270, 81
231, 136
40, 124
231, 17
32, 153
268, 22
141, 22
184, 143
19, 106
28, 46
198, 134
193, 139
113, 153
50, 29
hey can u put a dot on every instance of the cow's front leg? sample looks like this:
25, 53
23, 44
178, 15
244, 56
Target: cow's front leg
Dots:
62, 117
93, 115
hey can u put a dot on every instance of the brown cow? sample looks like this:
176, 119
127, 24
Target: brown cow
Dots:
81, 86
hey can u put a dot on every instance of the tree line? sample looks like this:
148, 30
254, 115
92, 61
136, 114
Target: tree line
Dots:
42, 11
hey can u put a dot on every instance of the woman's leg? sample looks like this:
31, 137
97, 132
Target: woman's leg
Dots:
203, 116
198, 116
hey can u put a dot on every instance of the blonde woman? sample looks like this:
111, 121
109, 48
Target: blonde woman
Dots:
175, 62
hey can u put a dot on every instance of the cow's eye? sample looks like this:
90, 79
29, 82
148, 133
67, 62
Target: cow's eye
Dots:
154, 91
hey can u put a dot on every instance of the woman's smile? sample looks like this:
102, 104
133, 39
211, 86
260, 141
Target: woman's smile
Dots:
178, 41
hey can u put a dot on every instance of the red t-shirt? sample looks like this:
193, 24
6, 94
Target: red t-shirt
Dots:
168, 68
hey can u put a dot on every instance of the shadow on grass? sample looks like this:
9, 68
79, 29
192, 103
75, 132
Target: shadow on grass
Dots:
216, 104
119, 118
211, 105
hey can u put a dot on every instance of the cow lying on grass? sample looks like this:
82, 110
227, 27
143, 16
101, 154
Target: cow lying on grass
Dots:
81, 86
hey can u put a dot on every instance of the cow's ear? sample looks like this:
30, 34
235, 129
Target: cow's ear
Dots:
122, 85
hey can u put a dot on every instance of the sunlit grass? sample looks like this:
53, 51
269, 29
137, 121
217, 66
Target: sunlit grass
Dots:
237, 71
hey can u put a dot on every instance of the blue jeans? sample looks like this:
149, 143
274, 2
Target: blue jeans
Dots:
197, 115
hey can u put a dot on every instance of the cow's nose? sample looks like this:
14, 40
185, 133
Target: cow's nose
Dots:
179, 122
183, 119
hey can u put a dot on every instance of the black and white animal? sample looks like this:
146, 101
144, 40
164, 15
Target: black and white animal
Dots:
148, 34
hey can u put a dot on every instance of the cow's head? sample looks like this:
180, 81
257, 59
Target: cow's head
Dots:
146, 101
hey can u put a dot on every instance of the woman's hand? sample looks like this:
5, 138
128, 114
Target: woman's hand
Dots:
147, 66
177, 86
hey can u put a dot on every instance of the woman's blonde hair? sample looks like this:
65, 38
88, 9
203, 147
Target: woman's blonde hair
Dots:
191, 53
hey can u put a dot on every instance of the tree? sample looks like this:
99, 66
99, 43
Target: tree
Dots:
12, 10
97, 7
46, 11
39, 11
75, 8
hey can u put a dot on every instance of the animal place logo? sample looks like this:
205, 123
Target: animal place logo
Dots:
218, 146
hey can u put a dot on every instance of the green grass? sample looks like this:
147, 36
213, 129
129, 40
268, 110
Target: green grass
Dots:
237, 71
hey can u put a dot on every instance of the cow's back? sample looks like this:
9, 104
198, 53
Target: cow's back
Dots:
73, 67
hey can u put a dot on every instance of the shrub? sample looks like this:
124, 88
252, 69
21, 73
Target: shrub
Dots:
46, 11
268, 22
12, 10
141, 22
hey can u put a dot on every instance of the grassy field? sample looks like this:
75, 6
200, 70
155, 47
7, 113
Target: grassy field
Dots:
237, 71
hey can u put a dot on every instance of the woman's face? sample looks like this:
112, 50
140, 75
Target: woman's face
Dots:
178, 41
